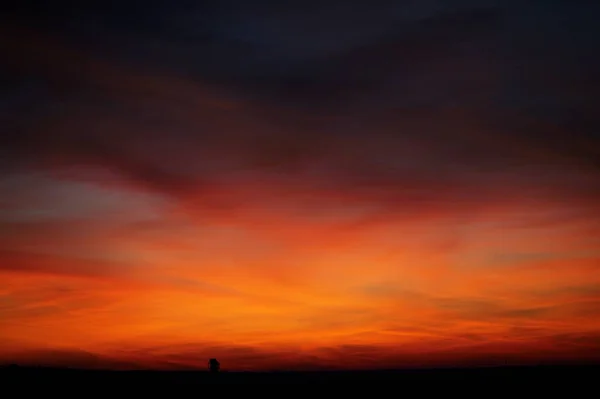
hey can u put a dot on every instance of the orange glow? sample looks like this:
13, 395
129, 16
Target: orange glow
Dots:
137, 283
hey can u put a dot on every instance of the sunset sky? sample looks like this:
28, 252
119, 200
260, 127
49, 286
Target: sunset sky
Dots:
301, 184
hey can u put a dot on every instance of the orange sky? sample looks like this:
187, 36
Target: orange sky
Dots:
101, 275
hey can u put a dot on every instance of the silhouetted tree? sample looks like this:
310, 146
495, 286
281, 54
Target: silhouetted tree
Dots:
214, 365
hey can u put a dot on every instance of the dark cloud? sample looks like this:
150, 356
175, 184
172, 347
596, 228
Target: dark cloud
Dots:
419, 107
474, 350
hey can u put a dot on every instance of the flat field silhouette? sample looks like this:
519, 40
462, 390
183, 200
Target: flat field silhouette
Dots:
519, 380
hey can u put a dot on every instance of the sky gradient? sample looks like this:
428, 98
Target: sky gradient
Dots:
325, 185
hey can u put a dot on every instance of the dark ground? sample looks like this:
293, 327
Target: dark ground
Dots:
578, 381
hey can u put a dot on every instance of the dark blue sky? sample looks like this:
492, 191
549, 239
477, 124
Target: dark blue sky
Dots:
436, 95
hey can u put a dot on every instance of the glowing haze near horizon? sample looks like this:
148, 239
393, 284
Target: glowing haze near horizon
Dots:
335, 185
